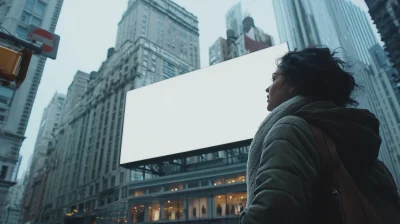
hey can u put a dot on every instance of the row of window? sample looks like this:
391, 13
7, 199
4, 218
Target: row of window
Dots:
220, 180
218, 206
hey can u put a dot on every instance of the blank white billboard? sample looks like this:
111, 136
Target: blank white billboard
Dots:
217, 105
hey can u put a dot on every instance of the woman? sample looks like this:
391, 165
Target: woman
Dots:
313, 86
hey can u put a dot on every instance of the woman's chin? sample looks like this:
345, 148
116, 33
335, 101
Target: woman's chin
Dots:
269, 107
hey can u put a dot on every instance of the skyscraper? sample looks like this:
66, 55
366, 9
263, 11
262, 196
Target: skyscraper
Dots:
387, 108
50, 120
156, 40
342, 24
16, 105
234, 18
296, 23
252, 39
386, 16
75, 91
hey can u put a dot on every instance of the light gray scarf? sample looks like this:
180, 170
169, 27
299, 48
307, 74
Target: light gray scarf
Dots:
253, 163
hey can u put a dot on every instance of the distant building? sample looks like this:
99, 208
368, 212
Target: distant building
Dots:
252, 39
77, 88
51, 119
156, 40
16, 105
234, 18
387, 108
386, 15
218, 52
341, 24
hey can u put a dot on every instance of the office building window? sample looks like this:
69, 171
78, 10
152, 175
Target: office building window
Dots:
21, 32
5, 95
39, 8
154, 212
25, 17
113, 181
169, 70
29, 4
3, 172
35, 21
198, 208
121, 177
105, 184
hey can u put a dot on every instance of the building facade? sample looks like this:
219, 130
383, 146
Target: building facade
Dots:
218, 52
16, 105
75, 91
12, 208
234, 18
296, 23
342, 24
156, 40
387, 108
51, 118
207, 188
386, 15
252, 39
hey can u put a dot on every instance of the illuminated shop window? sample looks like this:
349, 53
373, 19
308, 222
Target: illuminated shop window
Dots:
139, 192
174, 187
155, 189
154, 212
137, 213
237, 178
173, 210
236, 203
231, 204
197, 208
217, 181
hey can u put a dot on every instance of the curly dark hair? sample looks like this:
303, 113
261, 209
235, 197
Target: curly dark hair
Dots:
320, 74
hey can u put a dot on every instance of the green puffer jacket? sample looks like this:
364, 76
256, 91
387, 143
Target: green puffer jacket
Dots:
287, 175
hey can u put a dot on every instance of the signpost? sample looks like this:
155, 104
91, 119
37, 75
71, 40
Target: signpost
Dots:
14, 63
50, 41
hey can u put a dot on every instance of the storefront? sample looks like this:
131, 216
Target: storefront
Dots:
219, 198
114, 214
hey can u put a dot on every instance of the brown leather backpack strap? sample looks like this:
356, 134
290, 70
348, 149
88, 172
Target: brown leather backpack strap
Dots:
353, 206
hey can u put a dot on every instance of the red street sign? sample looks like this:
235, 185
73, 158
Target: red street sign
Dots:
49, 40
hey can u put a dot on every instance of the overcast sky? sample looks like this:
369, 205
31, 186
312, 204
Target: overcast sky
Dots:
89, 27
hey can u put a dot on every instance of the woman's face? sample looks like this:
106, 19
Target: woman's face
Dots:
279, 91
